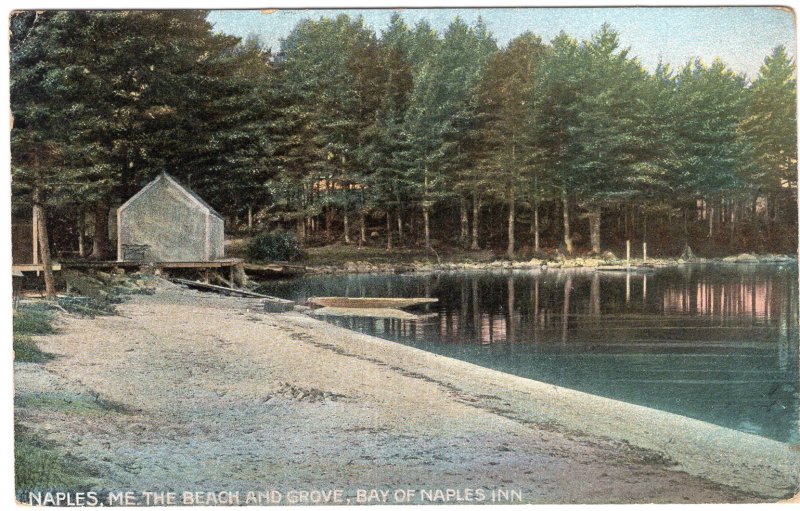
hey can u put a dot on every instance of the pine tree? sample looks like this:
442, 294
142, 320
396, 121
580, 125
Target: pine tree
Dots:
504, 104
770, 126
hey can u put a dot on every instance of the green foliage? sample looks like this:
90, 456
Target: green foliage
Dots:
770, 124
33, 320
342, 123
710, 102
274, 246
26, 350
39, 466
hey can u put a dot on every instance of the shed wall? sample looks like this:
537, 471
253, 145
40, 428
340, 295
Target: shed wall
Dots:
217, 238
163, 224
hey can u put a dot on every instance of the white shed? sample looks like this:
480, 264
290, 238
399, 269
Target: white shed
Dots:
166, 222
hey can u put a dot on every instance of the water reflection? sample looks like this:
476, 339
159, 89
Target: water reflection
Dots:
716, 343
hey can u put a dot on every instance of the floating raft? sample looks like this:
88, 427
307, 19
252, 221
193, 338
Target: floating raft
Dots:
369, 303
385, 313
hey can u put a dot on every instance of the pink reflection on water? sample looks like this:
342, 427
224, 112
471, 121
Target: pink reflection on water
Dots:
723, 300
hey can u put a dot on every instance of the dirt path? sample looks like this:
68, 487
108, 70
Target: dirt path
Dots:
196, 392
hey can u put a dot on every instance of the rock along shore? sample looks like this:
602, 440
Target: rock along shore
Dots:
574, 263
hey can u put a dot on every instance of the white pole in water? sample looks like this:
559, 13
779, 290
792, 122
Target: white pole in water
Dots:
628, 252
644, 251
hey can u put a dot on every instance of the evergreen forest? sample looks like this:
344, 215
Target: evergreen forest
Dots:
406, 138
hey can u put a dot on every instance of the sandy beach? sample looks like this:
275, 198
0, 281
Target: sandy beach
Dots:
210, 394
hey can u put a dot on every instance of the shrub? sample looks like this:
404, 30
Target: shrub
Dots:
274, 246
33, 320
41, 466
26, 350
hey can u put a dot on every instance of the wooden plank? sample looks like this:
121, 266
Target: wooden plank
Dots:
369, 303
220, 289
218, 263
33, 267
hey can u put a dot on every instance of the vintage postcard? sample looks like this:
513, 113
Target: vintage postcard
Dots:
420, 255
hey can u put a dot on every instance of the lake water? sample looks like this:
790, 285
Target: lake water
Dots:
716, 343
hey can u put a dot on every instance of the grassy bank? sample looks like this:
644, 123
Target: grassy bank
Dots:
30, 321
39, 464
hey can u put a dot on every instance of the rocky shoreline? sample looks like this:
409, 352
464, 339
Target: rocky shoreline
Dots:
591, 263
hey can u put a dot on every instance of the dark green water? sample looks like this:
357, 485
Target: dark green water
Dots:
716, 343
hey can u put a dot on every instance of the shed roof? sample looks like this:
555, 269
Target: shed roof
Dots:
186, 190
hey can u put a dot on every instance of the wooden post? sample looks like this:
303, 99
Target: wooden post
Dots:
628, 252
644, 251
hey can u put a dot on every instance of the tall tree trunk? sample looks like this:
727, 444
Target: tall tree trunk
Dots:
362, 228
250, 218
476, 211
82, 234
536, 247
100, 243
426, 213
399, 228
328, 223
565, 210
346, 221
767, 205
301, 229
426, 225
711, 222
511, 222
594, 230
44, 244
463, 237
685, 228
388, 231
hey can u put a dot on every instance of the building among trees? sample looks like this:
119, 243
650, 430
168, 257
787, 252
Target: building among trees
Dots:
166, 221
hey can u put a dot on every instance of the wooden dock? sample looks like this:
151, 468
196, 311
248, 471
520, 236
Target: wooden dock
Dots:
27, 268
166, 265
369, 303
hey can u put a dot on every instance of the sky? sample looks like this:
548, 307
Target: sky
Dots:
740, 36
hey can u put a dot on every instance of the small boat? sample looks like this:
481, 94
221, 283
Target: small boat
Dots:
369, 303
